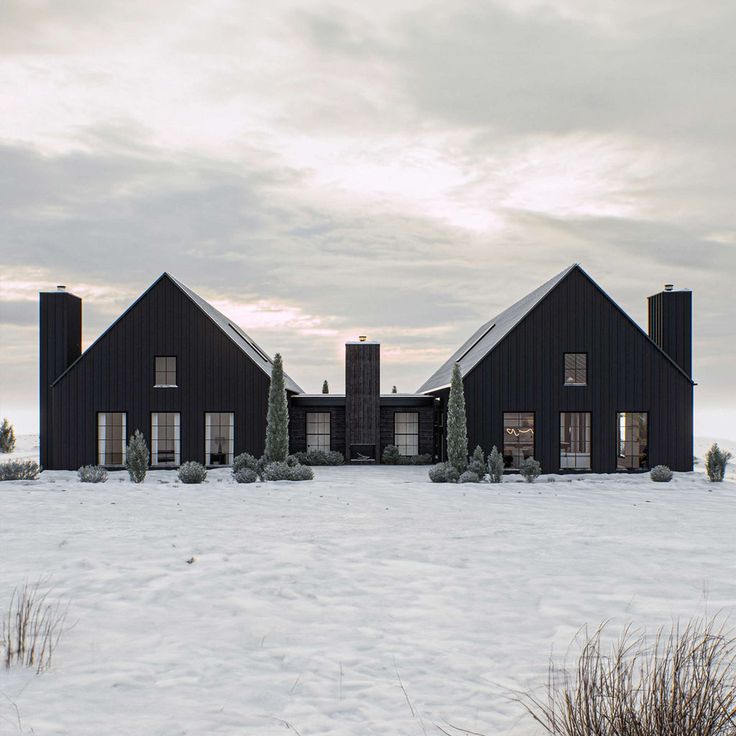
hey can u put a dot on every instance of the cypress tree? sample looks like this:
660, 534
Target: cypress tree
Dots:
137, 457
325, 387
7, 436
277, 427
457, 430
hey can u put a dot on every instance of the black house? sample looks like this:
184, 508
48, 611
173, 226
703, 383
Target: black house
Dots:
564, 375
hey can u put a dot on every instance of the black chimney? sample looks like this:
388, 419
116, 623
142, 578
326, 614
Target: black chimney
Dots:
60, 344
671, 324
362, 401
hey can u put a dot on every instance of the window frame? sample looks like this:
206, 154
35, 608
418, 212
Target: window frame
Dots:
589, 439
576, 369
321, 445
166, 371
230, 452
155, 439
124, 448
641, 468
512, 468
403, 445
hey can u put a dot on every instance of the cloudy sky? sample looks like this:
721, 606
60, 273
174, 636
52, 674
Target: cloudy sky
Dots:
404, 169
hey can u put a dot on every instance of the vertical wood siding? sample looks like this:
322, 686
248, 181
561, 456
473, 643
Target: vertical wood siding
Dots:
117, 374
625, 373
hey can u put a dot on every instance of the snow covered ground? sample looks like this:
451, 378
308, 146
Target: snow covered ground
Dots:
307, 602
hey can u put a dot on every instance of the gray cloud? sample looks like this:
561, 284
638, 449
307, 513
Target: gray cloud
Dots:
350, 159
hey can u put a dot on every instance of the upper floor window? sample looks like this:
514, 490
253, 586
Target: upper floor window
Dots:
111, 438
165, 371
318, 430
406, 432
576, 369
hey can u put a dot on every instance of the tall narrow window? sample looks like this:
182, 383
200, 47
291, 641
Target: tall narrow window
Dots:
165, 371
518, 437
575, 440
318, 430
111, 438
406, 432
576, 369
219, 438
165, 438
633, 440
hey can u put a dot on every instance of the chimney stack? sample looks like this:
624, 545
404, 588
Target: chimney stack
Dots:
362, 401
60, 344
671, 324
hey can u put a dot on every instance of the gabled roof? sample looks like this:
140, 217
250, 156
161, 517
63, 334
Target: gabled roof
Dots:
227, 326
483, 340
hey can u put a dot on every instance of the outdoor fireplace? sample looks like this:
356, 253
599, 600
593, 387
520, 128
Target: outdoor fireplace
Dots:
362, 453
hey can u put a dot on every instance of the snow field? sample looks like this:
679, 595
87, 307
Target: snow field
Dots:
306, 602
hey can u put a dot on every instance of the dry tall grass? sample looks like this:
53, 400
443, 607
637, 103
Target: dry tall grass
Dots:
680, 683
31, 628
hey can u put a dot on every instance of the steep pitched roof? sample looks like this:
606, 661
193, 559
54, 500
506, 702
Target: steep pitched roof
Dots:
483, 340
227, 326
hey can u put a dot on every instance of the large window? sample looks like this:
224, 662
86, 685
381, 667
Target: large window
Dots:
576, 369
518, 437
111, 438
633, 440
165, 371
575, 440
318, 430
165, 438
406, 432
219, 438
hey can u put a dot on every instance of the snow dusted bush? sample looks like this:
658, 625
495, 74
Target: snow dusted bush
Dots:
319, 457
192, 472
30, 629
245, 475
277, 419
284, 471
680, 682
244, 460
92, 474
495, 465
423, 459
19, 470
477, 463
469, 477
391, 455
716, 461
660, 474
443, 473
137, 457
457, 430
7, 436
530, 469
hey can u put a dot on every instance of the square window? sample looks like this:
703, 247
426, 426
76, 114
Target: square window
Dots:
576, 369
518, 437
165, 371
